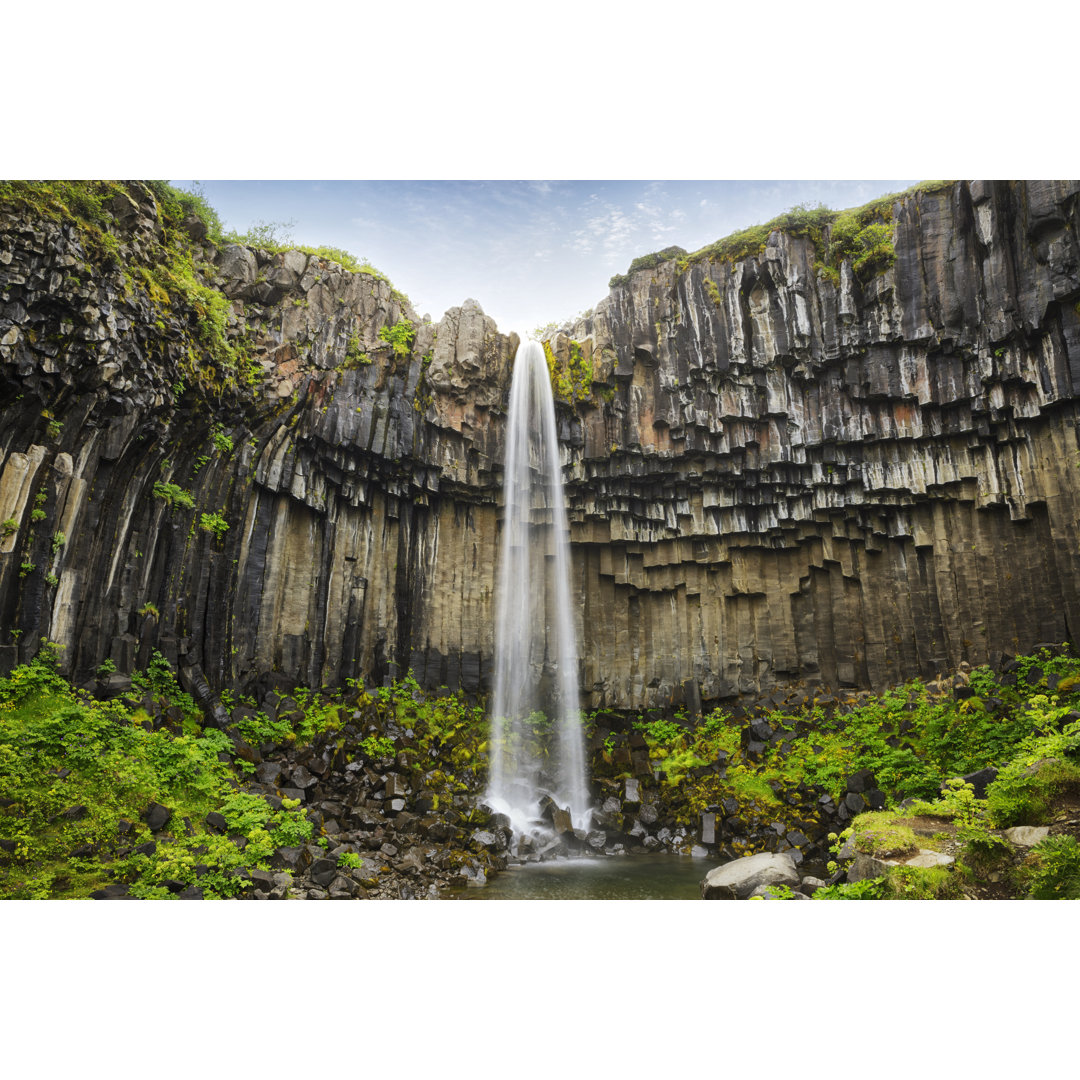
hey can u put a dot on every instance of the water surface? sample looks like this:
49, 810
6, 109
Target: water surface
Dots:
615, 877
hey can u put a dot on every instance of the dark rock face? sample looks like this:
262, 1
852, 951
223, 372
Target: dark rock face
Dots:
777, 476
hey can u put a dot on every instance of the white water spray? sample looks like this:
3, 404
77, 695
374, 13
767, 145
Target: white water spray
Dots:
536, 663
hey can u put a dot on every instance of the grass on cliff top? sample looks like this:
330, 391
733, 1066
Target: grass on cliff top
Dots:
836, 234
85, 204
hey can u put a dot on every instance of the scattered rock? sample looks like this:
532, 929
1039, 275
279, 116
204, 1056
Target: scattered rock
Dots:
736, 880
156, 816
1026, 835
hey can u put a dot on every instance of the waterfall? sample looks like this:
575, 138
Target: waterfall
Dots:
536, 662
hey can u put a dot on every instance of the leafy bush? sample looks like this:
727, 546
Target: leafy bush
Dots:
172, 494
868, 889
377, 746
75, 770
1053, 869
214, 523
399, 336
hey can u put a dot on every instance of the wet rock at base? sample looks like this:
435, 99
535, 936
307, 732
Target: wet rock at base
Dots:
737, 880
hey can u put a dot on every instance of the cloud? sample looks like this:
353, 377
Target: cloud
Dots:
609, 230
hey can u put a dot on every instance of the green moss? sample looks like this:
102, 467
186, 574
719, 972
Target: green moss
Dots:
864, 235
571, 380
881, 836
647, 262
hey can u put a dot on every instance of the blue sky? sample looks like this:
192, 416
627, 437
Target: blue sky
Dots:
531, 252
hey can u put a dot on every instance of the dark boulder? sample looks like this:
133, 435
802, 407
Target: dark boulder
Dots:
111, 892
861, 781
323, 872
156, 816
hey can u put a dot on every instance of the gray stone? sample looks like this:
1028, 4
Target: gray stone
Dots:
736, 880
1027, 835
926, 859
708, 828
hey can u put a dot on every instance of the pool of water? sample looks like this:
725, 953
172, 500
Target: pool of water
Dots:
615, 877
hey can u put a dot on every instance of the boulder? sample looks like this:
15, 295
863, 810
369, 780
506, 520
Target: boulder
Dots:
736, 880
1026, 835
156, 816
867, 866
291, 858
323, 871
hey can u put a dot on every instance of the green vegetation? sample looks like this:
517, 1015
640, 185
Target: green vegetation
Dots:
862, 234
171, 495
571, 381
400, 336
354, 355
77, 776
222, 442
1053, 870
9, 526
214, 523
917, 740
647, 262
377, 746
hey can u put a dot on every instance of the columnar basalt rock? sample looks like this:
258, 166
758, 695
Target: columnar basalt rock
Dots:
780, 473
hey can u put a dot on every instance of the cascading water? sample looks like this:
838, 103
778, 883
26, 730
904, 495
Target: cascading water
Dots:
535, 645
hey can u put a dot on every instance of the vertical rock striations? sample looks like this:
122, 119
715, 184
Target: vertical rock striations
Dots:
784, 467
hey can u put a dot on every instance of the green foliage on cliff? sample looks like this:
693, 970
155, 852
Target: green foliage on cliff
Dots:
571, 380
400, 336
862, 234
173, 494
276, 237
76, 776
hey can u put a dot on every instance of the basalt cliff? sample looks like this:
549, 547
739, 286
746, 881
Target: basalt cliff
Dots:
779, 468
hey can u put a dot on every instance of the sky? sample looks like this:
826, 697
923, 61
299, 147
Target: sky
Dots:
530, 252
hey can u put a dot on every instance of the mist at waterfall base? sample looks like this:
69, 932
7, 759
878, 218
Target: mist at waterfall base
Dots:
536, 660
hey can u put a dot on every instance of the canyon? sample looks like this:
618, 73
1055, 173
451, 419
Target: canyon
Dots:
780, 469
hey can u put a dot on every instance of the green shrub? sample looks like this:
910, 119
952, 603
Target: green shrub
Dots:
377, 746
214, 523
1053, 869
868, 889
399, 336
58, 750
172, 494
